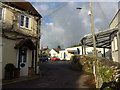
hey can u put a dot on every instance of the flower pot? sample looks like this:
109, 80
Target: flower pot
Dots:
9, 71
31, 71
8, 75
16, 73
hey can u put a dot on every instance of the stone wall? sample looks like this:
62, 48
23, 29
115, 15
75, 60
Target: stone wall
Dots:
106, 72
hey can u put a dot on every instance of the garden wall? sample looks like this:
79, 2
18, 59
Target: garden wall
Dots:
106, 72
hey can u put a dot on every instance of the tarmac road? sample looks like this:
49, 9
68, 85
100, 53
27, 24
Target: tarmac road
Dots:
57, 74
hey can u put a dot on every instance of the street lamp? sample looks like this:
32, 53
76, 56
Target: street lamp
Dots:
78, 8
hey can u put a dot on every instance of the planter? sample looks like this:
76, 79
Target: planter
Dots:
31, 71
9, 71
17, 73
8, 75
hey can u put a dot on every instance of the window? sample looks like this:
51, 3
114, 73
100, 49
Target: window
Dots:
0, 13
115, 41
113, 45
24, 21
27, 22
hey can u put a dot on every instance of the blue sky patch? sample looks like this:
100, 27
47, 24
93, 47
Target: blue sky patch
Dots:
47, 20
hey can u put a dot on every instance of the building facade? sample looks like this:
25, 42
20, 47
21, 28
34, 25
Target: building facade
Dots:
119, 32
67, 53
54, 53
20, 36
115, 45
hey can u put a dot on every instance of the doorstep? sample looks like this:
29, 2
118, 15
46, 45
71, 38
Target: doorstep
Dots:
22, 78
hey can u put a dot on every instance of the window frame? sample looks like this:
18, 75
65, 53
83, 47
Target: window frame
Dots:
27, 22
1, 13
116, 43
24, 22
21, 20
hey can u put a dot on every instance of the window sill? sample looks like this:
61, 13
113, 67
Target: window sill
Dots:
25, 28
115, 51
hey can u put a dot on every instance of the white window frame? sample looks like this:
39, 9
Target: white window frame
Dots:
116, 43
24, 22
113, 45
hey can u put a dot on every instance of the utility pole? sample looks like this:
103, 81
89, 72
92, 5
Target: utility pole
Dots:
92, 27
95, 65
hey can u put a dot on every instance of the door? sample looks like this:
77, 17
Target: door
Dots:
64, 55
23, 61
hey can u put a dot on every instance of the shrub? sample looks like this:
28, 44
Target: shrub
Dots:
9, 67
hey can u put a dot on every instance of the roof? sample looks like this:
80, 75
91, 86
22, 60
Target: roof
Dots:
57, 50
25, 6
27, 42
103, 38
114, 17
71, 51
44, 49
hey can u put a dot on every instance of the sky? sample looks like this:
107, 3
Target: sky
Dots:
64, 25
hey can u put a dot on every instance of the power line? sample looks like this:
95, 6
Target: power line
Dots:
63, 5
103, 13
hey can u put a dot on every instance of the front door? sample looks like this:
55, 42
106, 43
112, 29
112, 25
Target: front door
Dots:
23, 61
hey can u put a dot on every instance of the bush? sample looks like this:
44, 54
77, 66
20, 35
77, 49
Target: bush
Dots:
9, 67
75, 62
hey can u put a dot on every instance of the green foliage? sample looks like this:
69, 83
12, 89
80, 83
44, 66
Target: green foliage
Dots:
44, 54
104, 69
76, 65
9, 67
106, 73
59, 47
75, 45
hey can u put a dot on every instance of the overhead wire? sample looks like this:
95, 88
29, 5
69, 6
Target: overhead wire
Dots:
56, 10
103, 14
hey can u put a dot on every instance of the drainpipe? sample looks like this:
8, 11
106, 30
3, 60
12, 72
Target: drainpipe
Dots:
118, 34
36, 58
37, 71
32, 65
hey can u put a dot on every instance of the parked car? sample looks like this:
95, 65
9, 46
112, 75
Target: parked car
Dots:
49, 57
43, 58
55, 58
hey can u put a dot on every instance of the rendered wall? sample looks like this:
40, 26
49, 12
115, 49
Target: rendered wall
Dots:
9, 54
119, 33
14, 19
116, 53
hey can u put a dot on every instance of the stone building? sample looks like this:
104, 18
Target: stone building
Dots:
20, 36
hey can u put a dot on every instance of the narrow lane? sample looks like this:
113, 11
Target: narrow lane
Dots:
56, 74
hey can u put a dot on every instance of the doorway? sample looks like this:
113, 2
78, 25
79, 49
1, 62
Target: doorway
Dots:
23, 61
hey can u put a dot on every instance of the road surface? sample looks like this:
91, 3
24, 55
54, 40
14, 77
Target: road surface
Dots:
57, 74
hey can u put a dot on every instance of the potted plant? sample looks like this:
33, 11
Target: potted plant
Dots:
31, 71
17, 73
9, 71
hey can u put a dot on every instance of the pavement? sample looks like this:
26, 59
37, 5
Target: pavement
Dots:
22, 78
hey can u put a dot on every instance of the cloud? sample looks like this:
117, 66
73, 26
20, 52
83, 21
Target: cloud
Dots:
44, 7
69, 25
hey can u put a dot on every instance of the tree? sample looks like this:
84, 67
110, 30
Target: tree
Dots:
58, 47
76, 45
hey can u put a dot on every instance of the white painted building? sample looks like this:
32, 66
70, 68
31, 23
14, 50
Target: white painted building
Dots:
54, 53
69, 52
115, 45
20, 36
62, 54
